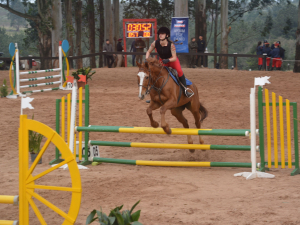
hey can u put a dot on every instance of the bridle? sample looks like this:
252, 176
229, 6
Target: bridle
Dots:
150, 80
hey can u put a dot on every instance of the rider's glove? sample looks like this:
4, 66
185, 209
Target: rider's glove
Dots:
165, 61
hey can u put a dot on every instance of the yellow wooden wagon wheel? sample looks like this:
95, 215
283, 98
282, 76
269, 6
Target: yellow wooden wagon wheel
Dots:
27, 186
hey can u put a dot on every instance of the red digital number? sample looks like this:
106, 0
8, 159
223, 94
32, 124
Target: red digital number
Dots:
129, 27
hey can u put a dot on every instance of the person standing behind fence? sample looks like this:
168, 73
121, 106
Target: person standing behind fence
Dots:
193, 46
140, 45
119, 49
110, 57
281, 52
201, 49
275, 53
259, 51
133, 49
267, 50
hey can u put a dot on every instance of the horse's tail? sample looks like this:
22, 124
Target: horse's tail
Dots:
203, 112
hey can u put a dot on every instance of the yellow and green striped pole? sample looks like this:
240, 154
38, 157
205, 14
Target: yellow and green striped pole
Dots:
172, 164
172, 146
174, 131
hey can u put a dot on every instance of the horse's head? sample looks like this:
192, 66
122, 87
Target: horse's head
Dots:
154, 65
143, 79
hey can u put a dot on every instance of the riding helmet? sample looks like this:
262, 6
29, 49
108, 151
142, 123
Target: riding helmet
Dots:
164, 30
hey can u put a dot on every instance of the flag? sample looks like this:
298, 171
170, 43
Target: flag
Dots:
26, 103
261, 81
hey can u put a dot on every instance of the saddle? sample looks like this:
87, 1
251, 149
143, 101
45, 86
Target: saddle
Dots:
173, 73
175, 77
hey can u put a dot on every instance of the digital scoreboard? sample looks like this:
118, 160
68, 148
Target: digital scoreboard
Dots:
139, 30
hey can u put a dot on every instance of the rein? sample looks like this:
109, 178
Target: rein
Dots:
157, 89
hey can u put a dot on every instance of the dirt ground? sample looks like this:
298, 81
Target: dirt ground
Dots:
168, 195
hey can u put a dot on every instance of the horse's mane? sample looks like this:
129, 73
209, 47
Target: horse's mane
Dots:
154, 62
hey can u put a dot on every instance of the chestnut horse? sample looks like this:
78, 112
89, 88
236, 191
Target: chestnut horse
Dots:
153, 78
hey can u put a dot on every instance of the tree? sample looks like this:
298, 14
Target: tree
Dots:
200, 19
78, 20
181, 8
161, 10
108, 20
56, 32
91, 25
268, 25
69, 27
216, 32
116, 6
224, 34
101, 31
297, 55
39, 15
17, 21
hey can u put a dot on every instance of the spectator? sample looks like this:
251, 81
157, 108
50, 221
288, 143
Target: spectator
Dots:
110, 58
193, 46
281, 52
201, 49
267, 50
139, 45
119, 49
133, 49
259, 51
275, 53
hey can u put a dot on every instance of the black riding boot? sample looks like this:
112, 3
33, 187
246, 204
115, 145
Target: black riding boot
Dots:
259, 67
271, 68
188, 93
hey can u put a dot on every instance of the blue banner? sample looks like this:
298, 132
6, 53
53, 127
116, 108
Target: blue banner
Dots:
180, 33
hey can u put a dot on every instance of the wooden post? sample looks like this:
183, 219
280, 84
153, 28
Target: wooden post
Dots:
235, 62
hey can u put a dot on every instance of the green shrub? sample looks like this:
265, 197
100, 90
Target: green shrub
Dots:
84, 71
3, 89
116, 217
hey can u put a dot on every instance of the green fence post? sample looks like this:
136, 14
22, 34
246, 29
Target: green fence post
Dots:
295, 119
86, 123
261, 129
57, 124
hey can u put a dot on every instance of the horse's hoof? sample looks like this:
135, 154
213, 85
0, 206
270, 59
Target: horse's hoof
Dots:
167, 130
192, 150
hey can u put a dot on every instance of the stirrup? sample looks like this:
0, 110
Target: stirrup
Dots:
188, 92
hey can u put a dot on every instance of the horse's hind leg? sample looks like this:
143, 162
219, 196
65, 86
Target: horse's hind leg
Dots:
177, 112
151, 107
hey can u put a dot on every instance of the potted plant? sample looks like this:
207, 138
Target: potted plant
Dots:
3, 89
82, 75
35, 140
116, 217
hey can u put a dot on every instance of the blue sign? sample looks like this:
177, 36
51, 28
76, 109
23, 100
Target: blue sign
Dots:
180, 34
11, 49
65, 46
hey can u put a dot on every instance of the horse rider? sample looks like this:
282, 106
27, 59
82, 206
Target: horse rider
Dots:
167, 54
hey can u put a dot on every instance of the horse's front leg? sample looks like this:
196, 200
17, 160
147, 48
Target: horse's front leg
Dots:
152, 106
168, 105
